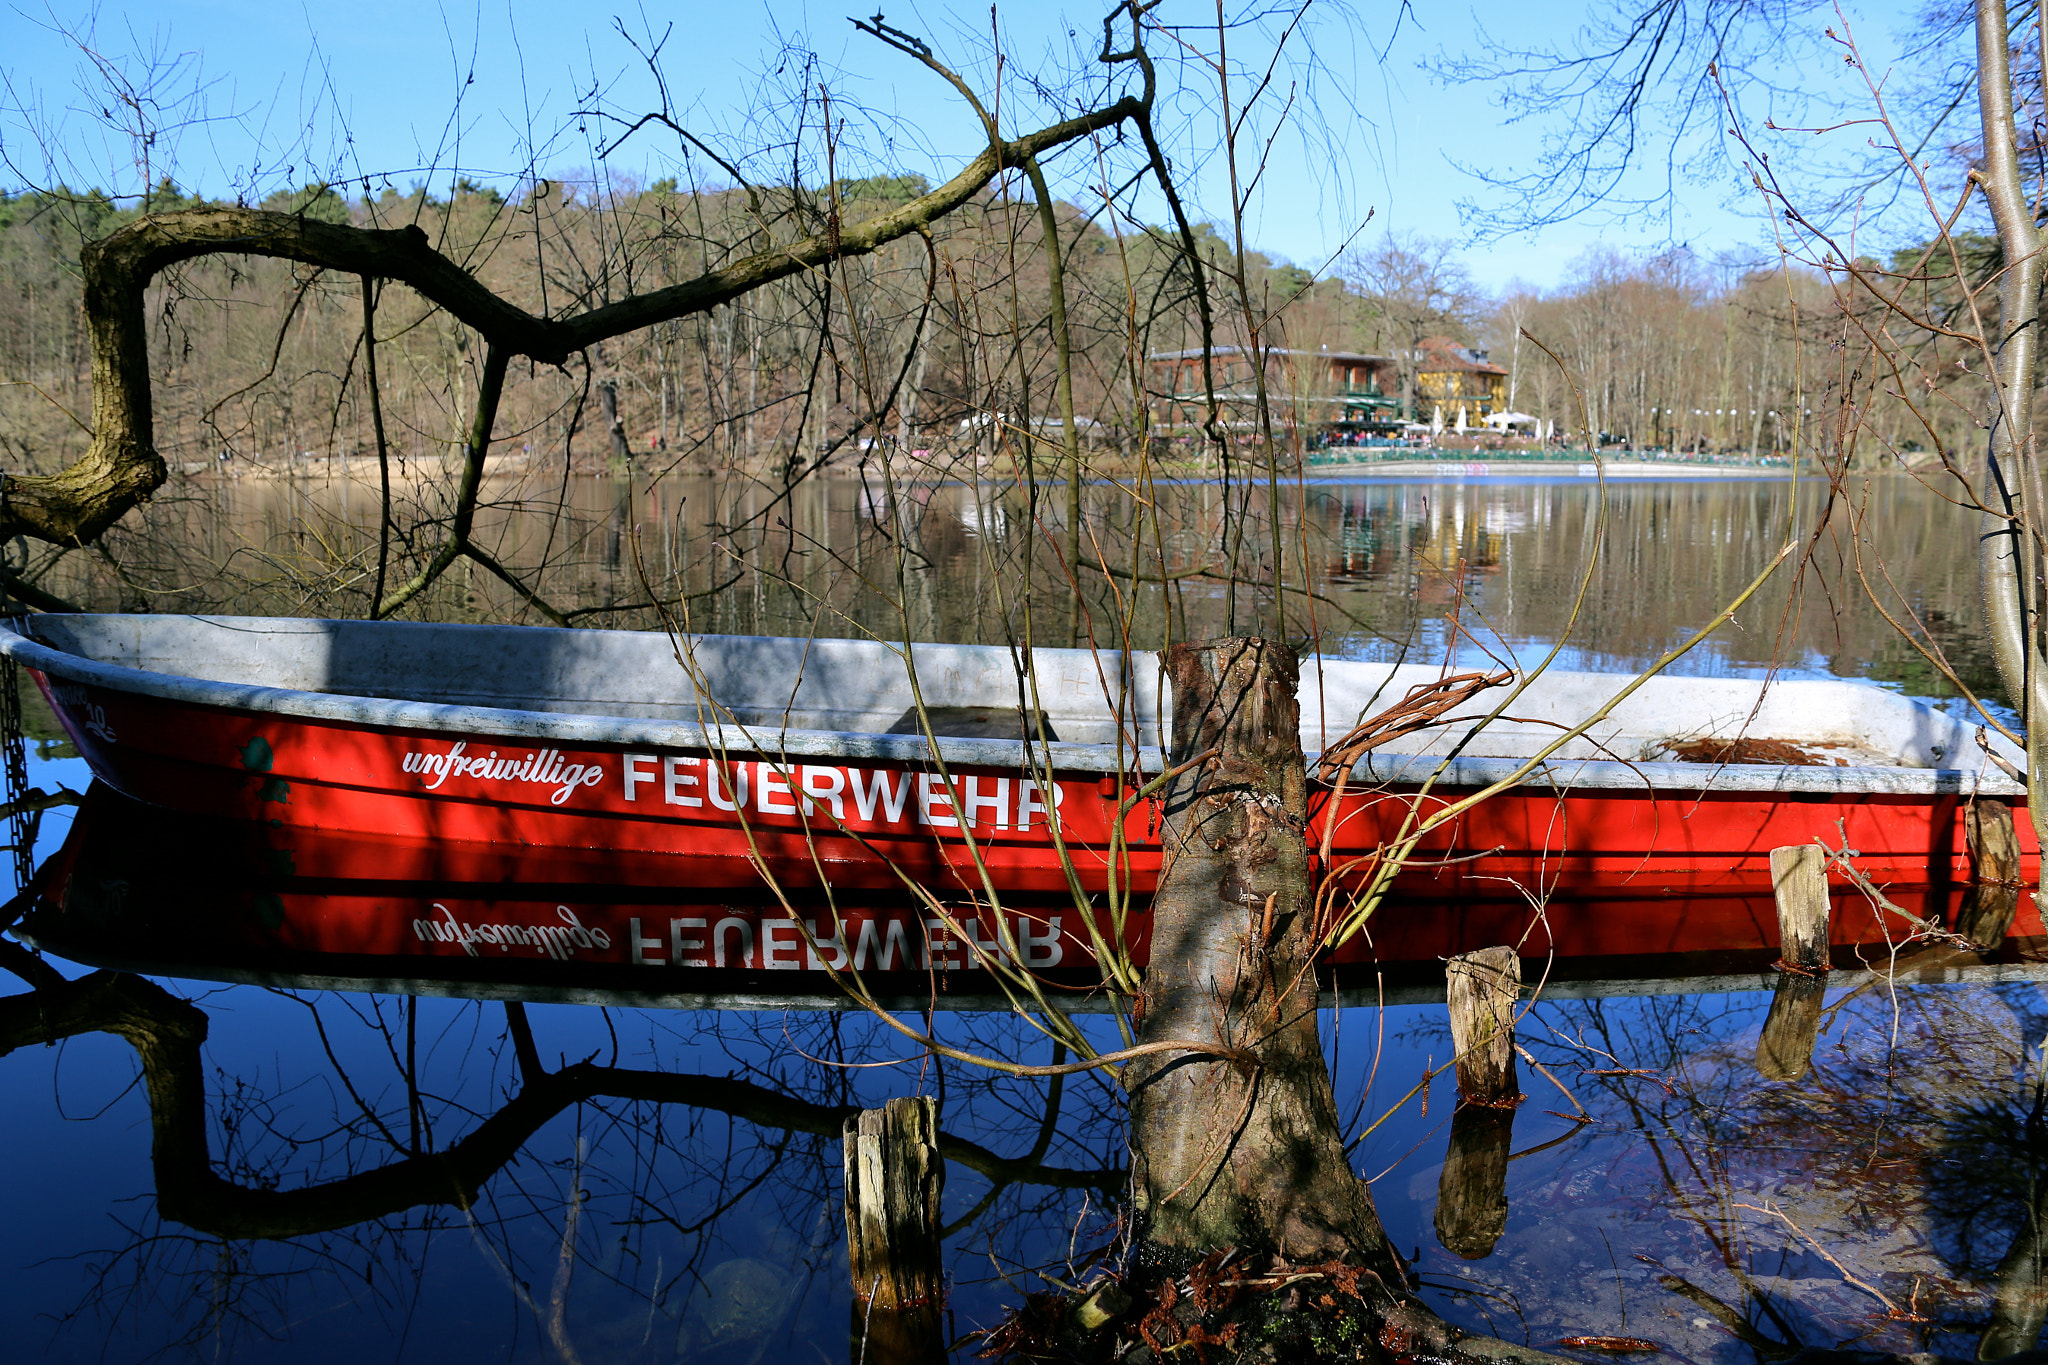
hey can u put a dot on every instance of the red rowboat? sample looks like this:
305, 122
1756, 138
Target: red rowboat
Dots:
721, 763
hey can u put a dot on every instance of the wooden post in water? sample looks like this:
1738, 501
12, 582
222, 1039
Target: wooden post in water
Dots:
1988, 907
1482, 988
1472, 1194
894, 1177
1799, 882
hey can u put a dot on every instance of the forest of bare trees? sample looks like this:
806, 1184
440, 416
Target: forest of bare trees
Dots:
1673, 352
450, 356
260, 364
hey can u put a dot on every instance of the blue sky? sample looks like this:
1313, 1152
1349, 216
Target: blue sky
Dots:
327, 90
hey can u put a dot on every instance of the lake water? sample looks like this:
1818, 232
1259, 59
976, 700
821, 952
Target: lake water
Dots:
684, 1204
1376, 568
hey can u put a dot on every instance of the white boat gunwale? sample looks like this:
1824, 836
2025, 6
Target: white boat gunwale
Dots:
773, 743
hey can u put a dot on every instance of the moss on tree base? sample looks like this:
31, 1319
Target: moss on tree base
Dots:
1227, 1307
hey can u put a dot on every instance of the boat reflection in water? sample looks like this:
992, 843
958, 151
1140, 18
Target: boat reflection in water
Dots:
626, 1184
144, 889
668, 1198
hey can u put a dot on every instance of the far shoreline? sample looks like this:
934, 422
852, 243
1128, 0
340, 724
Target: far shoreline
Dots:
413, 470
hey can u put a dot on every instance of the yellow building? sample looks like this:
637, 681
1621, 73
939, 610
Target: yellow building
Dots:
1327, 391
1455, 375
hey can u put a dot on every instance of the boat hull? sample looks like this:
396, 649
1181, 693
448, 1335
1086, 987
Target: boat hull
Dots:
727, 818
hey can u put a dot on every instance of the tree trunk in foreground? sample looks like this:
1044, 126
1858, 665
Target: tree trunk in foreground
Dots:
1242, 1194
1240, 1152
2015, 554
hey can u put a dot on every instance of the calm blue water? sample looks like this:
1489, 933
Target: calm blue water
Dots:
1883, 1187
626, 1230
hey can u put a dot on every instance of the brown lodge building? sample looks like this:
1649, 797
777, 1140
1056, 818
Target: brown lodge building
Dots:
1332, 391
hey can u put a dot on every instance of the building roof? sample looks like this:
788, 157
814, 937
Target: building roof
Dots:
1441, 355
1354, 357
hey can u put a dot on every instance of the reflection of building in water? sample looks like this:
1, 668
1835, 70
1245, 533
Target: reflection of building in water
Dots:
1428, 546
1378, 531
1356, 542
1369, 529
1458, 534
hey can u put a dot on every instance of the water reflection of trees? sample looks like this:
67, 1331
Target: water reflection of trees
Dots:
1889, 1200
1392, 562
642, 1186
621, 1203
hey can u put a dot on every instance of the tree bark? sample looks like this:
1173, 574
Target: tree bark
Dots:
2013, 560
1246, 1151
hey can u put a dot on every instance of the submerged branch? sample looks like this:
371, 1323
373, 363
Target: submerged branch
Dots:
167, 1034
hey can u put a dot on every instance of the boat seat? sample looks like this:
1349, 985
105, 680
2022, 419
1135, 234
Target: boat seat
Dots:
976, 722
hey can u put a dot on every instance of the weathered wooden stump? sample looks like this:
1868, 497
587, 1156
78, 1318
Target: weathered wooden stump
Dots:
894, 1177
1989, 906
1799, 881
1481, 989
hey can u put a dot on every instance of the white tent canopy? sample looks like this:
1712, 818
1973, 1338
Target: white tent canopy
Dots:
1505, 420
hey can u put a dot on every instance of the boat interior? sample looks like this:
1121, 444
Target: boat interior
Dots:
997, 692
